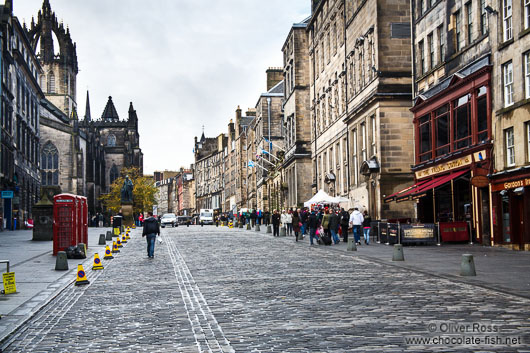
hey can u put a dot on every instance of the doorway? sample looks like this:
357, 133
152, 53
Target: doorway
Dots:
516, 218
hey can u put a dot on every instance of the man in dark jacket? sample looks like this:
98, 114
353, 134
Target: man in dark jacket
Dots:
253, 217
276, 223
344, 223
151, 230
267, 217
312, 223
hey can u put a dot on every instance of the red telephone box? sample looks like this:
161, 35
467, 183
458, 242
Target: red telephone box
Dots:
64, 222
82, 220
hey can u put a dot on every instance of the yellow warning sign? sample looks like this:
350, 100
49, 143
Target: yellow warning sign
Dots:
9, 283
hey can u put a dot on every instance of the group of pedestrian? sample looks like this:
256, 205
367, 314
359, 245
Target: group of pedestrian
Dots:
326, 225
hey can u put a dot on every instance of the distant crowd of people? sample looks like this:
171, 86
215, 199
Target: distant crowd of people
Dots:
323, 224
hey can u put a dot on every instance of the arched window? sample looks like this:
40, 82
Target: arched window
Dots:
111, 140
49, 164
51, 82
114, 174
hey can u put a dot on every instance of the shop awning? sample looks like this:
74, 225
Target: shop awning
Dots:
406, 190
421, 191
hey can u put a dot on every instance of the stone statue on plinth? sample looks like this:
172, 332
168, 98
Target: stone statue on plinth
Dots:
127, 202
127, 191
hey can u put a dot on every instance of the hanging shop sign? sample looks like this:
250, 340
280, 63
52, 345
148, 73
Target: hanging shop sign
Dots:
521, 183
480, 181
444, 167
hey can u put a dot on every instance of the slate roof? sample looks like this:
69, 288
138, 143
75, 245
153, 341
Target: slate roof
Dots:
277, 89
110, 112
246, 120
466, 71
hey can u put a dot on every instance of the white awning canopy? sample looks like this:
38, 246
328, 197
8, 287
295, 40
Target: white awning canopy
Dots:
321, 197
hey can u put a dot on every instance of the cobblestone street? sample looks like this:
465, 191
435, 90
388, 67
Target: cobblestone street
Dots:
223, 290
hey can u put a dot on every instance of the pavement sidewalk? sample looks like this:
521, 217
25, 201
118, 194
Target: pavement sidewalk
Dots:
36, 279
497, 268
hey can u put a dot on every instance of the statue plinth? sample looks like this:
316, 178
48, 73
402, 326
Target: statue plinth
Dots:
127, 212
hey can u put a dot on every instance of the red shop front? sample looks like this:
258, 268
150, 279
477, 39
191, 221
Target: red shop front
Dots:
511, 208
453, 141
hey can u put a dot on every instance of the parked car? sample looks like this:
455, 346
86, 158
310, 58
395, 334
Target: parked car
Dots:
183, 220
168, 219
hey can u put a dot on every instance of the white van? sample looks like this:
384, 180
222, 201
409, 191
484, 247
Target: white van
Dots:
206, 216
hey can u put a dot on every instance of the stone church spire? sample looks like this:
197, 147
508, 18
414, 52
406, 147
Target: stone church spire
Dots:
110, 113
57, 54
87, 109
133, 118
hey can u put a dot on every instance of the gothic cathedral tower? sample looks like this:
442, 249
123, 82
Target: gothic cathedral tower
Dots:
58, 58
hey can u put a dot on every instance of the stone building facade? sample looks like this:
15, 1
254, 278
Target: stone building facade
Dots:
209, 172
362, 143
229, 178
329, 131
452, 113
267, 144
509, 26
297, 166
20, 95
242, 156
185, 192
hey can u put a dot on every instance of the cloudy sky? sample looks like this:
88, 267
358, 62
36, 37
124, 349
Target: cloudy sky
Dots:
183, 63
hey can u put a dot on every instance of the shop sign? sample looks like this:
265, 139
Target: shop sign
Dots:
479, 156
511, 185
7, 194
413, 233
480, 181
424, 231
9, 282
444, 167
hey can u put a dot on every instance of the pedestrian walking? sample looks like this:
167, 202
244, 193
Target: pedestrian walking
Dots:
253, 217
344, 224
276, 223
305, 218
334, 224
100, 220
151, 230
325, 223
312, 223
356, 219
296, 223
283, 220
267, 217
367, 223
141, 219
289, 223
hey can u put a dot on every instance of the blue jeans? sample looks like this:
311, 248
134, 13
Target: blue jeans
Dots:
366, 232
312, 235
357, 233
335, 236
151, 239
